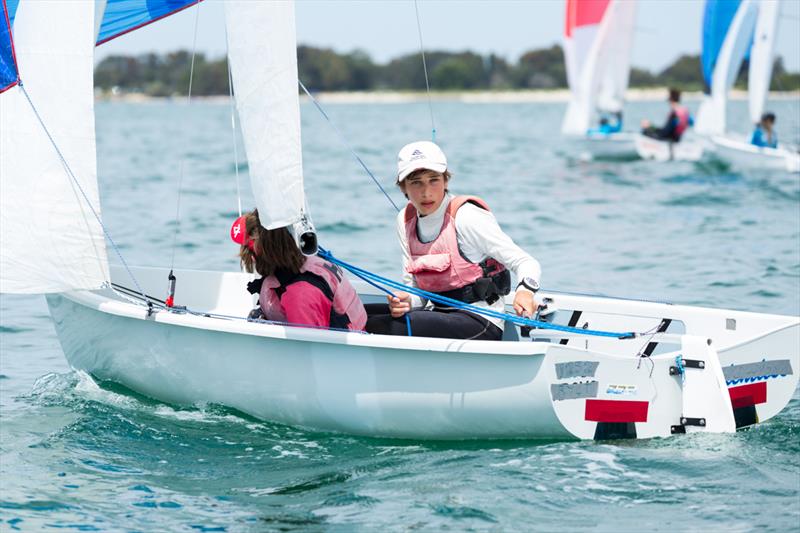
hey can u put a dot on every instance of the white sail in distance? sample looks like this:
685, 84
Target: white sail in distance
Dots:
762, 57
597, 49
262, 50
50, 238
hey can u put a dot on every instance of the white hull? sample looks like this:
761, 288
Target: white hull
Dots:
613, 144
687, 149
745, 154
425, 388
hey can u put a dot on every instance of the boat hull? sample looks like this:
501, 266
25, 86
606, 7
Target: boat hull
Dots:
361, 390
746, 155
426, 388
687, 149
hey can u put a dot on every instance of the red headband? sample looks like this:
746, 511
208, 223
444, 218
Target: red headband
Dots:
240, 236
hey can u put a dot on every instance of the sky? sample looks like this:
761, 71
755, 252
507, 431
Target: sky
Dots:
665, 29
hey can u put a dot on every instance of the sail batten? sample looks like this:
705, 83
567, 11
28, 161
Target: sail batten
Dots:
51, 238
262, 50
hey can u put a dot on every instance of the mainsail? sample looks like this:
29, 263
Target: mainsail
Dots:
262, 50
728, 27
51, 240
598, 36
762, 57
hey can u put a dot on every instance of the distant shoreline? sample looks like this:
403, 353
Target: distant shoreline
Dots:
473, 97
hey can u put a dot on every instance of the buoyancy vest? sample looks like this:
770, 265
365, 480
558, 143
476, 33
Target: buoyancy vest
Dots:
439, 266
347, 311
682, 114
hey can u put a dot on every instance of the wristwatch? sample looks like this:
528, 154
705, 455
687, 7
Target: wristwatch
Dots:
529, 283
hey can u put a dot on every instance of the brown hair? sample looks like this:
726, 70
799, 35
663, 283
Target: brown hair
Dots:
674, 95
275, 249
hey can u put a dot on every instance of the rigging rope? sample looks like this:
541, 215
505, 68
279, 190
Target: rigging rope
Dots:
347, 143
425, 70
180, 168
518, 320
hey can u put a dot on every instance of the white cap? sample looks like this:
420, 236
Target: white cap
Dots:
418, 155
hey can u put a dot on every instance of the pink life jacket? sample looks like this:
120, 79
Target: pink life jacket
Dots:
683, 121
347, 311
440, 266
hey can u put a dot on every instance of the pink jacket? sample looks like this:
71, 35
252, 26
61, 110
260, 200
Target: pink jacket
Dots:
307, 304
439, 265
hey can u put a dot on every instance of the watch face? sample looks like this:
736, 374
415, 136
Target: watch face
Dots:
531, 283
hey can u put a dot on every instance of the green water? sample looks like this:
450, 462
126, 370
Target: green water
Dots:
77, 455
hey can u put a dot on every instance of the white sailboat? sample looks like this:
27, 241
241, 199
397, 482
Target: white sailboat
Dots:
689, 369
729, 28
597, 47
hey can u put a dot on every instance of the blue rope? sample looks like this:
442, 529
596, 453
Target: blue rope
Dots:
681, 368
518, 320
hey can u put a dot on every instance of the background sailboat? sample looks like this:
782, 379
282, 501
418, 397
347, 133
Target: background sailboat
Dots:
732, 30
598, 36
111, 326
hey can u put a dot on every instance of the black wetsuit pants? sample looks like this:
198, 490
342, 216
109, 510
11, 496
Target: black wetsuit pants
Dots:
443, 323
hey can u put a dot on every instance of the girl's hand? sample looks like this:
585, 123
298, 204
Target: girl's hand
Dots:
399, 304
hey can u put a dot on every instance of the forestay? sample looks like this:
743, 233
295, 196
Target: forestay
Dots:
52, 241
597, 46
262, 53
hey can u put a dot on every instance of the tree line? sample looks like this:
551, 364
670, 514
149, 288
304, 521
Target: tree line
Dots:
323, 69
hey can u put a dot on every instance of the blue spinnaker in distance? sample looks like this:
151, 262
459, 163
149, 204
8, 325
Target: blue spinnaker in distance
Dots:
123, 16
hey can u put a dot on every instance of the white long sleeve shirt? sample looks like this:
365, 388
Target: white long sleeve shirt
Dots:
479, 237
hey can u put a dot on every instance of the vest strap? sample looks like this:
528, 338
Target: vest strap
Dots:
341, 321
488, 288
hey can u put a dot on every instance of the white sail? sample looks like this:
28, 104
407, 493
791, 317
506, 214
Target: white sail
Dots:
597, 50
614, 56
711, 114
262, 50
51, 240
762, 56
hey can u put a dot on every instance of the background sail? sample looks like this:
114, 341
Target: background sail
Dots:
262, 51
51, 241
123, 16
762, 56
728, 27
597, 48
614, 56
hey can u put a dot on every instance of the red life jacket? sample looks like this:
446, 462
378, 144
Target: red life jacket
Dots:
347, 311
440, 266
683, 121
